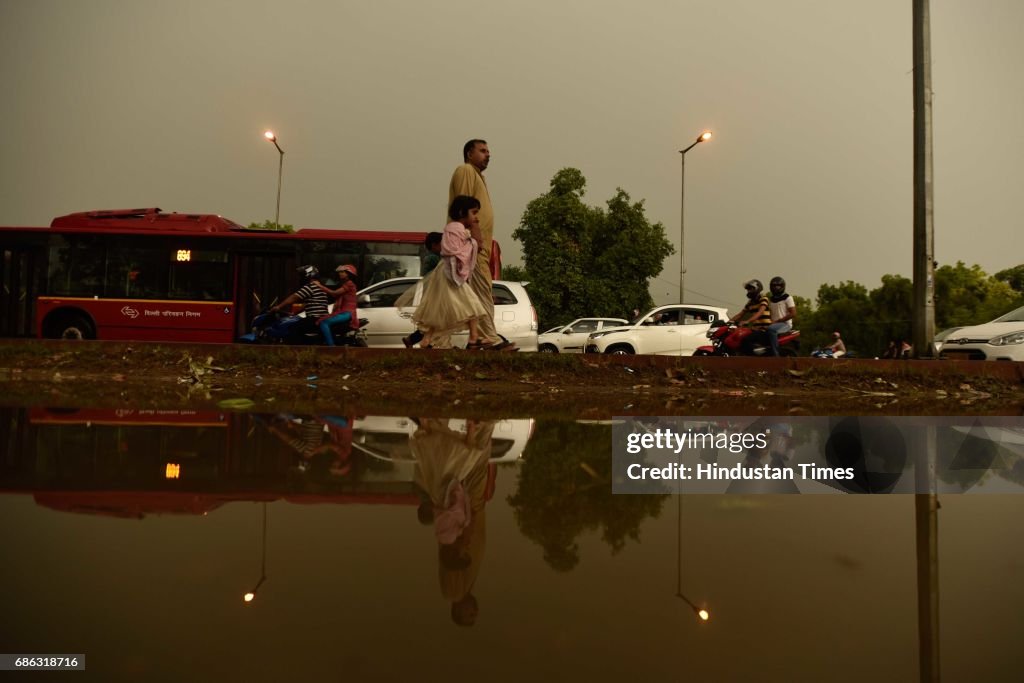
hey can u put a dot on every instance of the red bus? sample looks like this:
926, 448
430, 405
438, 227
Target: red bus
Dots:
140, 274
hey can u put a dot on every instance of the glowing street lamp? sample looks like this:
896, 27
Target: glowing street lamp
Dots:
269, 135
706, 135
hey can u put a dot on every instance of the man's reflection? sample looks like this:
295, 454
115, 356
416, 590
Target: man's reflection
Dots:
456, 481
323, 443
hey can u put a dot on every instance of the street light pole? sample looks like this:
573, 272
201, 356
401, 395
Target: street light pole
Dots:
280, 172
706, 135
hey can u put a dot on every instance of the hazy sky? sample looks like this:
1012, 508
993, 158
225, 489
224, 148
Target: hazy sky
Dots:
119, 104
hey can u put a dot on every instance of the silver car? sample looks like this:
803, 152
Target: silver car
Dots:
514, 315
572, 338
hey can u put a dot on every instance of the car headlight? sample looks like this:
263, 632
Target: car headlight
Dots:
1008, 339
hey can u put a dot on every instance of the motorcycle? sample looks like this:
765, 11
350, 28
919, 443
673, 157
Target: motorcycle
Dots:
274, 327
730, 339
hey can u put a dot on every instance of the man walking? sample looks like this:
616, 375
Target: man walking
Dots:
468, 180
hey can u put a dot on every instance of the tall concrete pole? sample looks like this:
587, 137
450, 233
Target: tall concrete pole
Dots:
924, 228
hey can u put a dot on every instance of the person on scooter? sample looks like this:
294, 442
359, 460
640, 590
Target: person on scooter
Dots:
783, 312
313, 298
344, 303
837, 347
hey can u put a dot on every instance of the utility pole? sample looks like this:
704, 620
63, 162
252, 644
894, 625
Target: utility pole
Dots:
924, 226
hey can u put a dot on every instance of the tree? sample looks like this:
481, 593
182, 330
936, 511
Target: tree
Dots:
514, 274
565, 489
869, 320
967, 296
1013, 277
270, 226
585, 260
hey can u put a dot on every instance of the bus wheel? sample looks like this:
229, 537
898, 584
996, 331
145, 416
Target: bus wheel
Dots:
71, 326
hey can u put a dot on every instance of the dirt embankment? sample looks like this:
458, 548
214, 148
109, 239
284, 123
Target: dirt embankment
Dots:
383, 381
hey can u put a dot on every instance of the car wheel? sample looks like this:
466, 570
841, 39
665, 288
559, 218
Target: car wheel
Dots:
547, 348
69, 326
621, 350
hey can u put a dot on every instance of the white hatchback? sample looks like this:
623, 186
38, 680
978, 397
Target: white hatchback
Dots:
1001, 339
673, 330
514, 315
572, 338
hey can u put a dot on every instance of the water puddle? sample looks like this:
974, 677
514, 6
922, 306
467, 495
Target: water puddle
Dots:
204, 544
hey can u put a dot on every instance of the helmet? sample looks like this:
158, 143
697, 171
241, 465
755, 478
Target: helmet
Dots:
754, 288
777, 282
348, 268
308, 272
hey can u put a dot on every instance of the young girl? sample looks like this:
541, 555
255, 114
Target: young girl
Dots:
344, 303
448, 304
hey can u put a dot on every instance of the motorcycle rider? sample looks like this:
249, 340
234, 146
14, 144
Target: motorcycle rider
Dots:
756, 309
783, 312
313, 297
757, 312
345, 310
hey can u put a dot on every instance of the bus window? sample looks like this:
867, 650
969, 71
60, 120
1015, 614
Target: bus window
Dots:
136, 273
76, 267
199, 275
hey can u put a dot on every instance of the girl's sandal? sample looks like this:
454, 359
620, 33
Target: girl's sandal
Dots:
476, 346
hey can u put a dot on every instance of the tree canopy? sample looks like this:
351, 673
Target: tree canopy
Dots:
564, 490
868, 320
588, 261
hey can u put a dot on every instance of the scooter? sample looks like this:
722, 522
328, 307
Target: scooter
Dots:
273, 327
730, 339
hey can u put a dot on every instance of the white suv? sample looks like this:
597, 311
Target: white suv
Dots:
514, 315
673, 330
572, 338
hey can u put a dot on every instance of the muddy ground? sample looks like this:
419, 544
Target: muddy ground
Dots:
491, 384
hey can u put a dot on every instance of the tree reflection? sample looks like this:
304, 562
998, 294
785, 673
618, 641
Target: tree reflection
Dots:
565, 488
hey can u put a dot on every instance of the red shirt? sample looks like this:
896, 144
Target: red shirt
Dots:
346, 303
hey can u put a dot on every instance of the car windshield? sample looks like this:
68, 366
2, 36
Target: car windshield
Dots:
640, 318
1016, 316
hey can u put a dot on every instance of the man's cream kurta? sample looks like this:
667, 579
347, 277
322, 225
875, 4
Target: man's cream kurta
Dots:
468, 181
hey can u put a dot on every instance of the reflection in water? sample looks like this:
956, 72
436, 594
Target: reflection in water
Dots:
131, 463
565, 490
251, 595
454, 473
537, 496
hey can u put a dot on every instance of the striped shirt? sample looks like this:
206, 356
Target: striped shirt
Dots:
762, 320
315, 300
